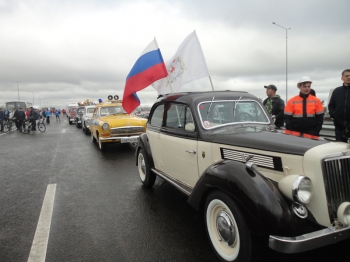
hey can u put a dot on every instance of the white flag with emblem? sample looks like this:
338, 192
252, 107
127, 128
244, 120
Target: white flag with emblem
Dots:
188, 64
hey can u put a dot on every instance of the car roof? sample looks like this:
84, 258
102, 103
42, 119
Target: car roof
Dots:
197, 97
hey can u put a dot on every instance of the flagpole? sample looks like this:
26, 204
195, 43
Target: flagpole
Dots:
212, 87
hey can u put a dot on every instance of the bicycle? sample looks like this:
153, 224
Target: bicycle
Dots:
41, 125
26, 127
8, 125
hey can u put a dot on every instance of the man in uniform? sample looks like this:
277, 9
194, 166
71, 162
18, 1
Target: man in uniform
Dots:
304, 113
274, 105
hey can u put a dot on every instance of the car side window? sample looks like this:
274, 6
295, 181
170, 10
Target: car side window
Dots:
157, 116
189, 123
175, 116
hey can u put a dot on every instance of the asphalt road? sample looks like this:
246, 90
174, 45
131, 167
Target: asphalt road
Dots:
100, 211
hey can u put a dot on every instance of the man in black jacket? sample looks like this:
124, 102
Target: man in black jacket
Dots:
339, 106
21, 116
274, 105
33, 116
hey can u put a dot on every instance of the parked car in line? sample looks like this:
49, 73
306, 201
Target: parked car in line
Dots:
71, 112
252, 182
78, 116
86, 118
111, 124
143, 111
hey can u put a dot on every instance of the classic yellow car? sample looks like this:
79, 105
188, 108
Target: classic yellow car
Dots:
111, 124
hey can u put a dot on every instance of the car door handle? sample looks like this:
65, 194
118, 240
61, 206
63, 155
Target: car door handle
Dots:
191, 151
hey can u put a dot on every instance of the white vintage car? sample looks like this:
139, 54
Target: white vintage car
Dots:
87, 118
221, 149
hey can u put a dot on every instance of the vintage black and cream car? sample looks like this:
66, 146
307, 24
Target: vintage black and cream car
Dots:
221, 149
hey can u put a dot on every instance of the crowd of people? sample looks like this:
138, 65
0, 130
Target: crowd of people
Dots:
303, 115
31, 114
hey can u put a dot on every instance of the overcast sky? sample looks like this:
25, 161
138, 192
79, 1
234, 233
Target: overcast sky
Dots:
66, 51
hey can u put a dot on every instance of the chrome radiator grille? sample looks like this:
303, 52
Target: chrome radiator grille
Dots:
336, 174
129, 130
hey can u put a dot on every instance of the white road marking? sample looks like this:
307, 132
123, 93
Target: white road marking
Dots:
41, 237
63, 130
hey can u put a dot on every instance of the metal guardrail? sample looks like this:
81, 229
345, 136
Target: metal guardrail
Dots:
328, 130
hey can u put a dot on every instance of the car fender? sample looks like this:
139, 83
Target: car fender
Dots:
265, 209
143, 142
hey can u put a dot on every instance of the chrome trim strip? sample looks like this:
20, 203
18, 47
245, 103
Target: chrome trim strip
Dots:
174, 182
309, 241
116, 138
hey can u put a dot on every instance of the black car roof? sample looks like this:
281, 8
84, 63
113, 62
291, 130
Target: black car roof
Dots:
196, 97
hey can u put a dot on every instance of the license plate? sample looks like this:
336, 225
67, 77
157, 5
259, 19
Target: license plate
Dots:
79, 121
129, 140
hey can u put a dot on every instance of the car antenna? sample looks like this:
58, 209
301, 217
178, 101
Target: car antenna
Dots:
210, 107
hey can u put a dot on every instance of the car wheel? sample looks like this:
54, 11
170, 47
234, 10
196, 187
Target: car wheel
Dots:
147, 177
93, 139
86, 130
101, 145
227, 229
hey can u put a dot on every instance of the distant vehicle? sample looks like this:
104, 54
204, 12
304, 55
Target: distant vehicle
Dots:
78, 116
11, 106
86, 118
71, 112
143, 111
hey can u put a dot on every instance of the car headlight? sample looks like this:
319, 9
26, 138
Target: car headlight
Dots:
105, 126
343, 213
297, 188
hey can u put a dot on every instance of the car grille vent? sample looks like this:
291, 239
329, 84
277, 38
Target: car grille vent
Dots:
127, 130
269, 162
336, 175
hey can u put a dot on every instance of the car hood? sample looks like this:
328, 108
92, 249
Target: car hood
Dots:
265, 140
123, 120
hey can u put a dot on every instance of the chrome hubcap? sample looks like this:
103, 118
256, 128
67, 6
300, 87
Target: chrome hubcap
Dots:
142, 163
226, 228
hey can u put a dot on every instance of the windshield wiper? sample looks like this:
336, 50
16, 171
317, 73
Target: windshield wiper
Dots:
210, 107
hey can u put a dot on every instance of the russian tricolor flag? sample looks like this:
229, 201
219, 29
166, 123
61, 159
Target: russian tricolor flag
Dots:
148, 68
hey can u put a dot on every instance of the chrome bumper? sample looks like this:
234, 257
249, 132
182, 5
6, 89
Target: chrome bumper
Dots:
117, 138
309, 241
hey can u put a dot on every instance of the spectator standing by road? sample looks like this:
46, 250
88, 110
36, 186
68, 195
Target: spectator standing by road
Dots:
2, 117
27, 113
339, 106
57, 113
274, 105
21, 116
47, 114
304, 113
15, 115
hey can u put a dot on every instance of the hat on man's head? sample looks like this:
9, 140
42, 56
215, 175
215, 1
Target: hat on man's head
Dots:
273, 87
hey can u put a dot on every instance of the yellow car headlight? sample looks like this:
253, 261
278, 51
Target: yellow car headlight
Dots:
105, 126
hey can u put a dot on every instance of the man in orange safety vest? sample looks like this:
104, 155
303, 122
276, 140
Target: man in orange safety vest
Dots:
304, 113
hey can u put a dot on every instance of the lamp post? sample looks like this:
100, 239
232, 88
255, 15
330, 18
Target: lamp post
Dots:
286, 58
18, 89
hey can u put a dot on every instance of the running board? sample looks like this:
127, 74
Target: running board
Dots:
183, 188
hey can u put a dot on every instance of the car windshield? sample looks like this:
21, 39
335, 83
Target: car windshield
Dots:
90, 110
111, 110
218, 113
